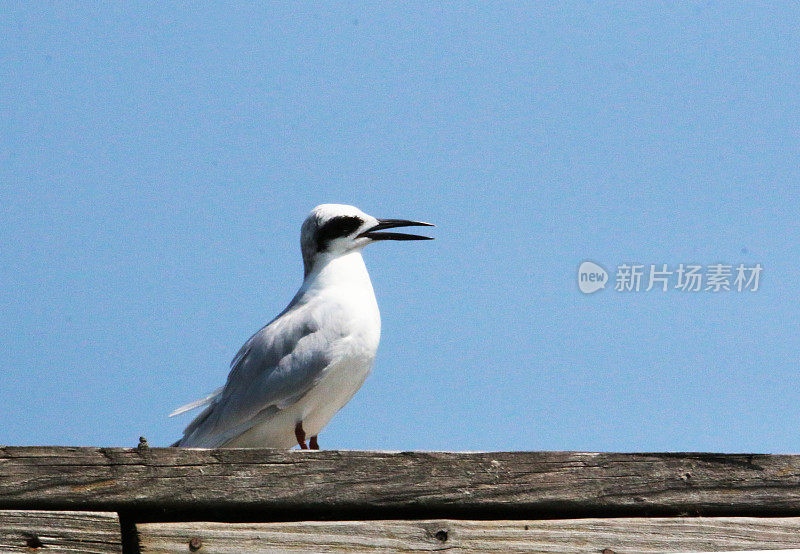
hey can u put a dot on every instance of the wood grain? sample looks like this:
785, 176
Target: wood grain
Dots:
272, 485
624, 535
73, 532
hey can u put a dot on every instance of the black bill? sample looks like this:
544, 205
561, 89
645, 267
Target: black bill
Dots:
391, 224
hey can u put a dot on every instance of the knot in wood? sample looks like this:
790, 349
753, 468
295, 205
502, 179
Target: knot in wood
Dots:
195, 544
441, 535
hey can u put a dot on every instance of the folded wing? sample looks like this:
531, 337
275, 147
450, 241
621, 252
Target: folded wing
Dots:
275, 368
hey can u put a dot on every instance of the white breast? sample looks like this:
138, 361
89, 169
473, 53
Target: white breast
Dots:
355, 352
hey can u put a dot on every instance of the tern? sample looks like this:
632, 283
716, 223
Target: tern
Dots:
291, 377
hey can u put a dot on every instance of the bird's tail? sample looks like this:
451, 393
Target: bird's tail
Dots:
196, 404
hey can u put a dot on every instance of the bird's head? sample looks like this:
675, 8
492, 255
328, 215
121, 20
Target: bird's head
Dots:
336, 229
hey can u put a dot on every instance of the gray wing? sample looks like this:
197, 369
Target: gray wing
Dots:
275, 368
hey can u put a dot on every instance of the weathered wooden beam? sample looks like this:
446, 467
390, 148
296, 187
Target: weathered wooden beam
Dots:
628, 535
73, 532
273, 485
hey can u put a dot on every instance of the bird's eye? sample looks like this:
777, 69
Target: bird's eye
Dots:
336, 227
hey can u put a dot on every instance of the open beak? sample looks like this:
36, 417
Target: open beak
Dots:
391, 224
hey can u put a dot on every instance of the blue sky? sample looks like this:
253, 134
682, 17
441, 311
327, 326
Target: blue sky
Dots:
156, 162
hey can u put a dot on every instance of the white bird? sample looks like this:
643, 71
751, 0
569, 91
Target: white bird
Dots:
292, 376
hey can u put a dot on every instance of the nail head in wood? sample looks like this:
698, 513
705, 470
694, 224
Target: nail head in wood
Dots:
34, 542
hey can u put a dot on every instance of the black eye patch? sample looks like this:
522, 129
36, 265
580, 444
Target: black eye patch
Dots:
336, 227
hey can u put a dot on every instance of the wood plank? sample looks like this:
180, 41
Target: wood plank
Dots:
73, 532
628, 535
295, 485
